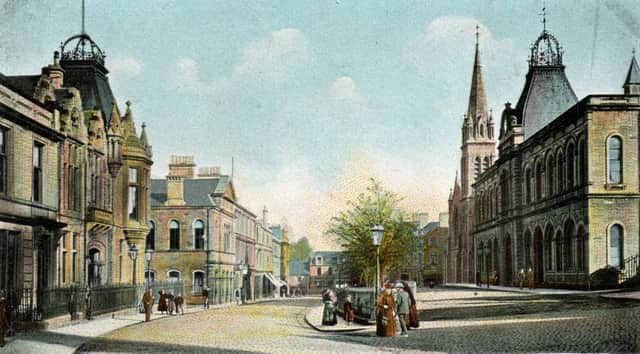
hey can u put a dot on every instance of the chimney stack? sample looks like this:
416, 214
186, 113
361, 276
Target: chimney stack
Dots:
182, 166
209, 171
265, 213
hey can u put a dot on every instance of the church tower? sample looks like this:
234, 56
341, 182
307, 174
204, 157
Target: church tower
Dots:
477, 155
478, 139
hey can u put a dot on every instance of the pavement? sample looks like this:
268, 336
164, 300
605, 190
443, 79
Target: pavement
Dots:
313, 318
628, 294
70, 337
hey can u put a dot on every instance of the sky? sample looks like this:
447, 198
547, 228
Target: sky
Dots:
314, 98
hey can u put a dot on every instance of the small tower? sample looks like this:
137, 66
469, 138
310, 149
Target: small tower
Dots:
114, 142
632, 83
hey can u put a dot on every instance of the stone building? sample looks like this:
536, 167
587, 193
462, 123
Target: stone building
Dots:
194, 231
435, 236
279, 238
95, 187
562, 199
413, 266
478, 154
266, 283
326, 270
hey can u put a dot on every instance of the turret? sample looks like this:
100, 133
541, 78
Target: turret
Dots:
114, 142
632, 83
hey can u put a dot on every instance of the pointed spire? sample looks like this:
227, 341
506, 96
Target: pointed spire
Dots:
477, 99
114, 121
632, 82
143, 135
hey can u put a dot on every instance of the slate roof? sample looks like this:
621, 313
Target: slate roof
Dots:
196, 190
633, 75
298, 268
25, 85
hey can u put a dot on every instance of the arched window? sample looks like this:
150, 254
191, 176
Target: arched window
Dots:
616, 239
550, 175
198, 235
560, 172
614, 156
173, 276
571, 165
568, 244
582, 163
486, 163
527, 188
538, 181
478, 166
504, 192
150, 242
548, 238
559, 245
198, 281
580, 248
174, 235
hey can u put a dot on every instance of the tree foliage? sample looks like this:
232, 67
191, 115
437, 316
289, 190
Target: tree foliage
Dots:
300, 250
352, 228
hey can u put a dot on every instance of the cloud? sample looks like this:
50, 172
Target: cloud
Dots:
264, 64
309, 203
125, 66
343, 88
443, 52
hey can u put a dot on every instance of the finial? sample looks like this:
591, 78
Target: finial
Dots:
544, 17
83, 17
144, 125
56, 57
128, 103
477, 34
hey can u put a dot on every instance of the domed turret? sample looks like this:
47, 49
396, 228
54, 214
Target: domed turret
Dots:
82, 48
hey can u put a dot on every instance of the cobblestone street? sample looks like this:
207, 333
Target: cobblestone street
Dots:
452, 320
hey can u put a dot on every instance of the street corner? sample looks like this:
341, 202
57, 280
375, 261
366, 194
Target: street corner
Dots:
313, 318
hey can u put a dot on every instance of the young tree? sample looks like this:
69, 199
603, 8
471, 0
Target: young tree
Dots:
352, 228
300, 250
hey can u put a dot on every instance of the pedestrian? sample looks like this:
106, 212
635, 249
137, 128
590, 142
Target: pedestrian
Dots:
147, 302
179, 304
205, 297
403, 308
496, 278
385, 322
478, 281
87, 304
521, 278
171, 305
348, 310
530, 277
4, 321
162, 302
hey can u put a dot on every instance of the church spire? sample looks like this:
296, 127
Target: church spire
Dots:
632, 83
477, 99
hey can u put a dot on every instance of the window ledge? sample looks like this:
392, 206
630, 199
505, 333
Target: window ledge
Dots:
615, 186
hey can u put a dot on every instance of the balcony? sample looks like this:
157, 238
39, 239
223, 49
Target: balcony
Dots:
98, 220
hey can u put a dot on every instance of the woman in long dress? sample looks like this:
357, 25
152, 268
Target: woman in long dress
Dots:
385, 321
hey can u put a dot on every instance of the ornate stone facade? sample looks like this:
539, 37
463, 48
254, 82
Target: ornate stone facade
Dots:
562, 199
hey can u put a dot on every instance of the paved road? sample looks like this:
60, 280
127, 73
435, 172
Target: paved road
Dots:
452, 320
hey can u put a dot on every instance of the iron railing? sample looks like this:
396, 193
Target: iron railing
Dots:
631, 267
20, 304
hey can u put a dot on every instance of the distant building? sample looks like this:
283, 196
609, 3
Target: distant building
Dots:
434, 237
298, 278
326, 270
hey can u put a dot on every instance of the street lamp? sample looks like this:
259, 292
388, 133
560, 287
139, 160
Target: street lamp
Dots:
245, 269
133, 254
148, 254
376, 235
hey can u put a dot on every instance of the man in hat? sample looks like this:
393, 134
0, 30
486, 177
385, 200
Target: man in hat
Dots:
403, 308
147, 302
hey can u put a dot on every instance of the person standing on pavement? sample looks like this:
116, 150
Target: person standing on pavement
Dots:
403, 308
530, 277
385, 321
147, 302
205, 297
4, 323
348, 310
179, 304
171, 305
521, 278
478, 280
162, 302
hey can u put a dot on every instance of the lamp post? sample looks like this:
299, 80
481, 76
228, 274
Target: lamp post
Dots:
133, 254
376, 236
148, 254
245, 270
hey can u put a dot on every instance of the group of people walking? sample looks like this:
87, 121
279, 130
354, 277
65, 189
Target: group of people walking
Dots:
389, 308
168, 303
